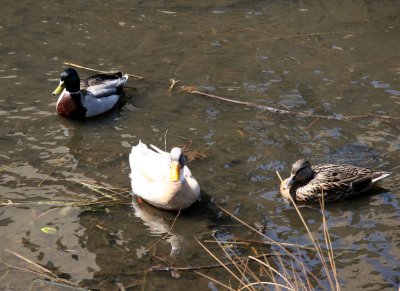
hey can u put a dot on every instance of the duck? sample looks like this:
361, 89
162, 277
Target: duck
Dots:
89, 97
162, 179
331, 181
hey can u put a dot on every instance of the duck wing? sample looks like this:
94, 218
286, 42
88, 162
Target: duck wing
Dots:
148, 164
98, 79
104, 85
340, 177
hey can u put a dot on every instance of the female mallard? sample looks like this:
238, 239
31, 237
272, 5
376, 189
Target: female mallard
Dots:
333, 182
162, 179
90, 97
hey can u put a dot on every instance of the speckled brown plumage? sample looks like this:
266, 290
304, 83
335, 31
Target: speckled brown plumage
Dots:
308, 183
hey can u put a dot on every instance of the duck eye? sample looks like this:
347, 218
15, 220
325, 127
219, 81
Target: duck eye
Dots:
301, 169
182, 161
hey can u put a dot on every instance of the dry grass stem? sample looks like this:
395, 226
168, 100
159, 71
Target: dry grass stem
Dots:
290, 273
237, 266
12, 165
230, 242
109, 196
45, 213
279, 176
334, 286
274, 271
175, 219
214, 280
39, 269
265, 283
218, 260
165, 140
167, 234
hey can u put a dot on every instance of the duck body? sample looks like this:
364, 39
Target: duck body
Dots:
331, 181
162, 179
89, 97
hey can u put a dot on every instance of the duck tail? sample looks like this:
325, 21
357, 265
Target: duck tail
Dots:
156, 149
377, 176
125, 78
136, 151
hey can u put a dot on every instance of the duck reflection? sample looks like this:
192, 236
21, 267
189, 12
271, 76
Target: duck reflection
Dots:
155, 221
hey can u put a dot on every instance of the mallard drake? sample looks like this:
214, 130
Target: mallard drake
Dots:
308, 183
89, 97
161, 178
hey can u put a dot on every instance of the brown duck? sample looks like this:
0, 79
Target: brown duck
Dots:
334, 182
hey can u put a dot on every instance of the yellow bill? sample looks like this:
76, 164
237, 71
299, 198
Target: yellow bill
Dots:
59, 89
175, 171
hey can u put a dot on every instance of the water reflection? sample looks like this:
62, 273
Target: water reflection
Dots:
153, 219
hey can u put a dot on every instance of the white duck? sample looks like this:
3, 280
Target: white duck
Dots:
162, 179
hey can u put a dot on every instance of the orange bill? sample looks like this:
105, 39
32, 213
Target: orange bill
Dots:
175, 169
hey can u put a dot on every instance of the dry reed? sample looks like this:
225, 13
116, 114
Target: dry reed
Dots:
283, 269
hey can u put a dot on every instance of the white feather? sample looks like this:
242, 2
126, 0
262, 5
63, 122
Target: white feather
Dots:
150, 179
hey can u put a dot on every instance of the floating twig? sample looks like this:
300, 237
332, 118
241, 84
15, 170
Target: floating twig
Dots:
214, 280
44, 213
99, 71
201, 267
109, 196
12, 165
60, 160
60, 203
249, 242
167, 234
334, 116
173, 83
348, 32
39, 270
175, 219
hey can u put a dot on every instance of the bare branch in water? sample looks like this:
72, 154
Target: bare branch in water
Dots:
167, 234
203, 267
173, 83
336, 117
99, 71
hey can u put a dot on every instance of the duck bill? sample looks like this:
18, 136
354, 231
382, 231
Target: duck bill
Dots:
174, 174
59, 89
289, 182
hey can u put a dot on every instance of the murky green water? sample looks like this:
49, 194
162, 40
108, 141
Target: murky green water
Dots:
315, 56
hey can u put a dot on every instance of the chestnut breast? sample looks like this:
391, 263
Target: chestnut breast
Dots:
66, 106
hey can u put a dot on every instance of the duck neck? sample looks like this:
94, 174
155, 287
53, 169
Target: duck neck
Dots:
76, 97
304, 182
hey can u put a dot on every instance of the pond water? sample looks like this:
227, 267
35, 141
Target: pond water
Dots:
323, 57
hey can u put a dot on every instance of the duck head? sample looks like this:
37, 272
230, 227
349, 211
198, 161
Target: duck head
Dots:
69, 80
177, 162
301, 173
